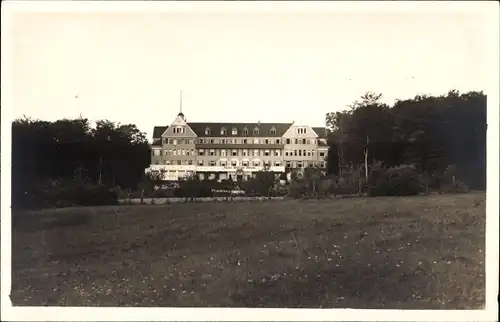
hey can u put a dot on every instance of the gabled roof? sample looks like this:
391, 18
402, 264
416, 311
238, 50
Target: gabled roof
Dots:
320, 131
264, 129
158, 131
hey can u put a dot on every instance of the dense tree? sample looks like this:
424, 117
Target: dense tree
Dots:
111, 154
427, 132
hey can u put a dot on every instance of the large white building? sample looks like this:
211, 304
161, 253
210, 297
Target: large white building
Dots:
235, 150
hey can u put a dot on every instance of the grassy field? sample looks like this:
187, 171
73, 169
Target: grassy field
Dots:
392, 253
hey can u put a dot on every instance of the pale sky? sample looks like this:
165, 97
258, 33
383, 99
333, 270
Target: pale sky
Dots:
241, 67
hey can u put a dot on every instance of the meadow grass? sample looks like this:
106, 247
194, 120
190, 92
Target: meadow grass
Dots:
424, 252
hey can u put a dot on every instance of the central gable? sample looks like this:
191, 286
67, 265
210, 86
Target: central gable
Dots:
179, 128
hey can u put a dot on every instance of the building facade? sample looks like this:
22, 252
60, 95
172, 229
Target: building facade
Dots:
234, 150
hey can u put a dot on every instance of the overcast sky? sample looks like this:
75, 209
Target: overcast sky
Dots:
242, 67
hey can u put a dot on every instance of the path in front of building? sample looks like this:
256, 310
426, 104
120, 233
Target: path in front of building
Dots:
160, 201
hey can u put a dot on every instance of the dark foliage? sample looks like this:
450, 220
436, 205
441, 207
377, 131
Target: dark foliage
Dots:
88, 160
428, 132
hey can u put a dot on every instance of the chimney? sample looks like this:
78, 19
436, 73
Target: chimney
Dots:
258, 123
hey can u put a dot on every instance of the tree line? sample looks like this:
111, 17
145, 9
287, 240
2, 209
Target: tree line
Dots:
43, 153
431, 133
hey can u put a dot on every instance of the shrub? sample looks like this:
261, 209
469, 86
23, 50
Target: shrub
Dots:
455, 187
398, 181
65, 193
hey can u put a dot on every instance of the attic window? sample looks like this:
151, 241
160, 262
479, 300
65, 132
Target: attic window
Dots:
245, 131
273, 131
223, 131
256, 131
207, 131
234, 131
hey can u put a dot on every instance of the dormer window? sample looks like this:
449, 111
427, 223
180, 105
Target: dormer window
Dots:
223, 131
178, 130
207, 131
301, 130
245, 131
256, 131
273, 131
234, 131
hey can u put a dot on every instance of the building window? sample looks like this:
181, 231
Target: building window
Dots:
223, 153
288, 164
207, 131
245, 153
211, 163
300, 153
244, 141
288, 141
276, 153
183, 152
304, 141
201, 152
308, 153
245, 131
178, 162
277, 141
299, 164
296, 141
223, 131
256, 163
322, 154
301, 130
170, 141
322, 165
174, 152
156, 153
174, 142
234, 131
163, 141
255, 153
234, 153
266, 153
255, 131
212, 153
223, 163
277, 164
266, 141
200, 162
273, 131
211, 141
223, 141
234, 163
244, 163
255, 141
295, 152
312, 153
190, 162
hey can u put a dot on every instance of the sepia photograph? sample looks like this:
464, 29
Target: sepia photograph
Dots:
290, 156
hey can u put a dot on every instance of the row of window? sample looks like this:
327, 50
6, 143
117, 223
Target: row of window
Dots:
246, 163
234, 131
302, 153
236, 152
238, 141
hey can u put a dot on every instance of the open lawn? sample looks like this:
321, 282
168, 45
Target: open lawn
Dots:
393, 253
